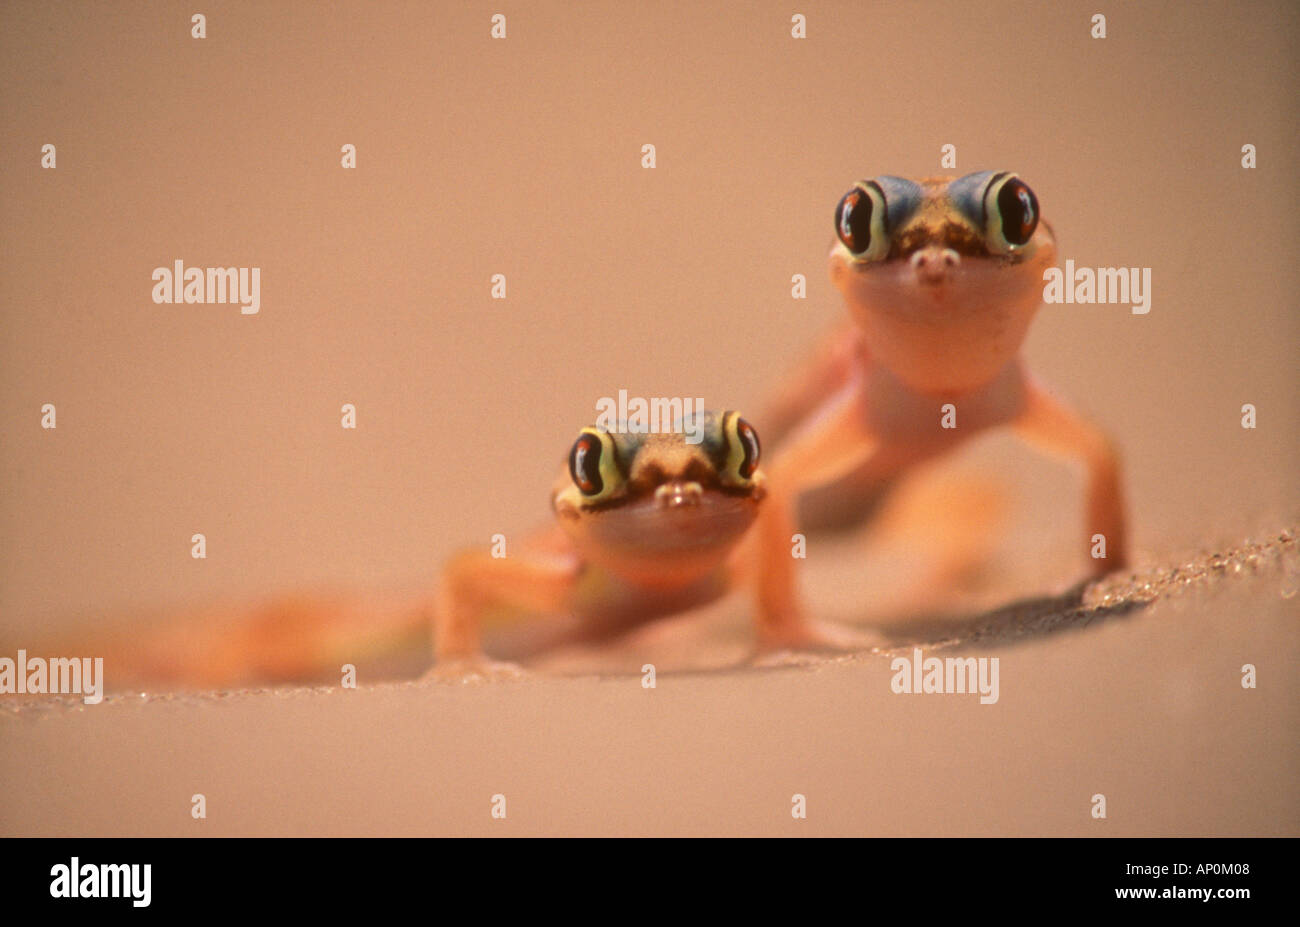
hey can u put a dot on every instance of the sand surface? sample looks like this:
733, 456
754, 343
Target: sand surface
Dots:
1132, 691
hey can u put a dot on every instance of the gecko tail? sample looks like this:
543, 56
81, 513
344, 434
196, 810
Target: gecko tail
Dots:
299, 639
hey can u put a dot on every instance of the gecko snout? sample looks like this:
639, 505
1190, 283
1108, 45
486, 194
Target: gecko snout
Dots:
678, 493
935, 264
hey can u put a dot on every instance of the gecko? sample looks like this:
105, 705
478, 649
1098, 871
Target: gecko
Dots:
646, 525
941, 278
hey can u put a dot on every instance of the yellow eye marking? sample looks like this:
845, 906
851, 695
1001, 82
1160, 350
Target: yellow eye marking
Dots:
743, 451
593, 465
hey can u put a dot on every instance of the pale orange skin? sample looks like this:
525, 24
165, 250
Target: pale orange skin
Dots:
947, 338
928, 327
671, 544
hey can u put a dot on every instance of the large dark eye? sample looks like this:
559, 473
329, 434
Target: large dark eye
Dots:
584, 465
853, 221
1018, 210
860, 222
749, 441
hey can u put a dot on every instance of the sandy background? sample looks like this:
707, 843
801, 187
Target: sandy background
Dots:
522, 157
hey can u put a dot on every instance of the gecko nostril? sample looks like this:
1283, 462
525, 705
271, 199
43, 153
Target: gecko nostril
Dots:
934, 264
678, 493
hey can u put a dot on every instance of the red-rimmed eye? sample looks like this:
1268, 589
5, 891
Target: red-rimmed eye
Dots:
750, 446
1018, 208
853, 221
862, 222
584, 465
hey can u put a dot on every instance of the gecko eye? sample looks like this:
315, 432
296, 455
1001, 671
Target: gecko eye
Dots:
743, 450
853, 221
748, 438
860, 222
584, 465
593, 465
1012, 211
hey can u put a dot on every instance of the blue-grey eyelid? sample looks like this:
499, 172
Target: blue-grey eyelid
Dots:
967, 194
902, 197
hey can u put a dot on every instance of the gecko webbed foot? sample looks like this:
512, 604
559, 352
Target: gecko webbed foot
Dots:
473, 671
784, 645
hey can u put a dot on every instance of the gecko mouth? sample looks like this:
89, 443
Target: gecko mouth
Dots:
935, 282
678, 518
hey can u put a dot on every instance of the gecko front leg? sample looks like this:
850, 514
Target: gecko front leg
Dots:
475, 581
823, 374
1052, 426
831, 445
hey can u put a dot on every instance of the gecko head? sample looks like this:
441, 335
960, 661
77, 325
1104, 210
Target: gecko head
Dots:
657, 507
943, 276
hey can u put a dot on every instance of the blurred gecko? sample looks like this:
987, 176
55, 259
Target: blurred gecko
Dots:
647, 525
942, 278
